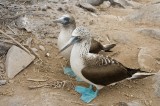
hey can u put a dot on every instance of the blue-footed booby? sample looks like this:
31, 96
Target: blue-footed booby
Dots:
96, 69
68, 25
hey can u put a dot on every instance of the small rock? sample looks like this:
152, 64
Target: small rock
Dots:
2, 82
11, 81
47, 54
93, 14
22, 22
87, 6
42, 48
34, 50
16, 60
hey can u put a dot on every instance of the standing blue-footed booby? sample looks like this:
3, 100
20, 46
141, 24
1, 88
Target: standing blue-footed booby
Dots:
68, 25
96, 69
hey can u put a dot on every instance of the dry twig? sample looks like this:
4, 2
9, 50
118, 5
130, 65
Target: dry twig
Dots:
108, 39
15, 42
11, 29
37, 80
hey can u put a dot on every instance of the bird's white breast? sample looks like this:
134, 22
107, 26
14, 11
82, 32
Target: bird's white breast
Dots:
77, 64
76, 61
63, 38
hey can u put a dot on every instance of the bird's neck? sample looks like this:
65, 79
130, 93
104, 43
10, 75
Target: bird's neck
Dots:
81, 49
70, 27
65, 34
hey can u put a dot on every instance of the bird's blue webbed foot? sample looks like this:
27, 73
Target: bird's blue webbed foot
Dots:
69, 71
87, 94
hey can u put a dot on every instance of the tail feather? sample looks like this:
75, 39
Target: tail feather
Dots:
108, 47
138, 74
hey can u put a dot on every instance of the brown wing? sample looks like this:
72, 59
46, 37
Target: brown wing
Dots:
95, 46
106, 74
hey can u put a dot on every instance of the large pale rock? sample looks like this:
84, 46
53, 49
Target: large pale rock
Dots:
149, 58
148, 14
152, 32
16, 60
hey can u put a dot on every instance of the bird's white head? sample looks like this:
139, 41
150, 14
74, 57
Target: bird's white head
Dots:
66, 20
79, 35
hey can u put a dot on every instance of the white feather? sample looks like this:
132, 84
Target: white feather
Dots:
140, 74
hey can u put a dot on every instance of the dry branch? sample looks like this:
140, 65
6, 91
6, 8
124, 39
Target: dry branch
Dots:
15, 42
37, 80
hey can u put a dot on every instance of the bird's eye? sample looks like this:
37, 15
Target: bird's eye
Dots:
79, 38
66, 19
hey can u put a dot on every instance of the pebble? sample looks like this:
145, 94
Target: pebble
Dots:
42, 48
2, 82
34, 50
47, 54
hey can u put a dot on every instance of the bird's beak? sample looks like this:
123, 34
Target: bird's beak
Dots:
60, 20
73, 40
57, 20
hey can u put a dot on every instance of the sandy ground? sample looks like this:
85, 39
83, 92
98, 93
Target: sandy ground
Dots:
50, 69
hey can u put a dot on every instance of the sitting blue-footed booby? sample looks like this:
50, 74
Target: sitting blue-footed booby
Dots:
68, 25
96, 69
